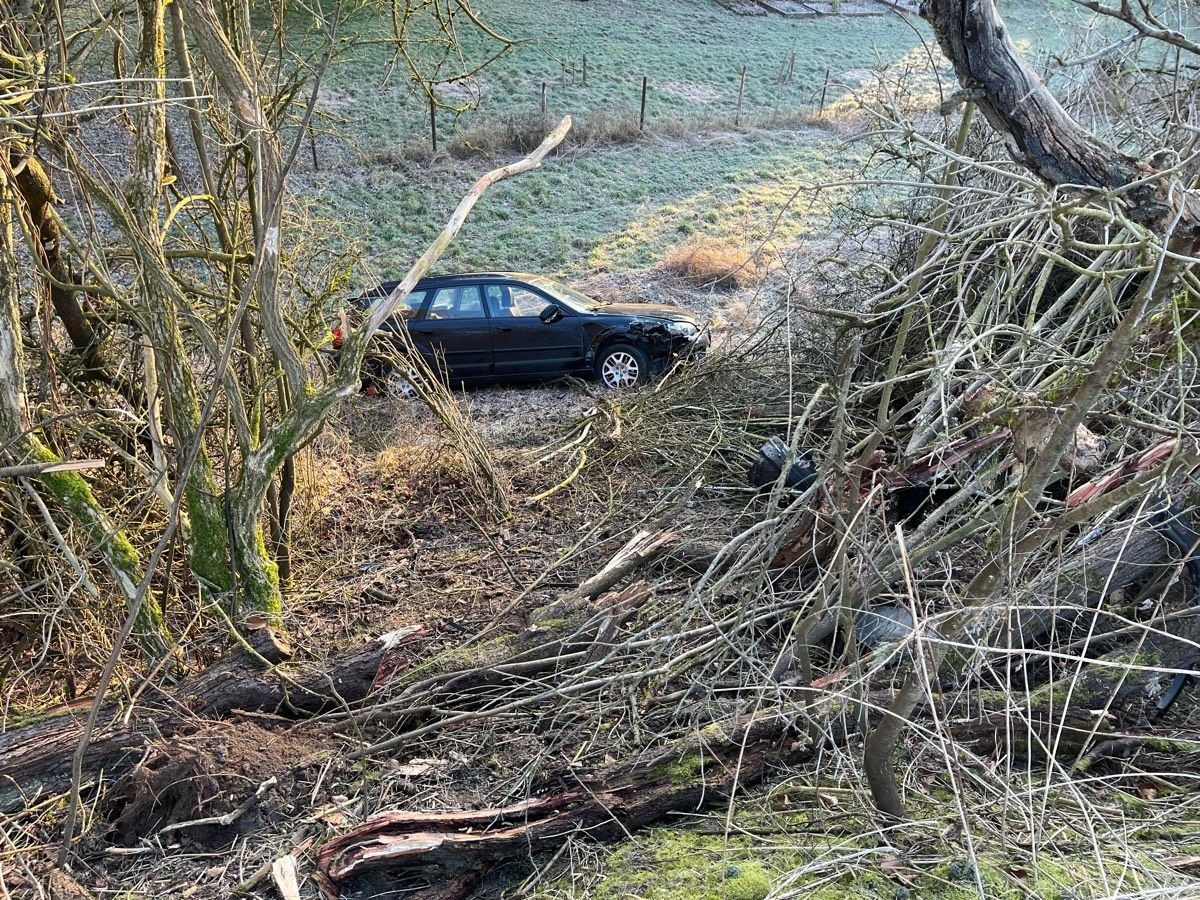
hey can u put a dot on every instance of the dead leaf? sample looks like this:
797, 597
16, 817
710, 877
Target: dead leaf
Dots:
1147, 791
331, 815
895, 869
410, 770
828, 800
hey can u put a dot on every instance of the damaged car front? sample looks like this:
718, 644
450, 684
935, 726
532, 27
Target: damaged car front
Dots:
628, 343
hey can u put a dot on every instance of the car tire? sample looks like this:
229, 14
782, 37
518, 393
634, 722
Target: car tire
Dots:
400, 383
622, 366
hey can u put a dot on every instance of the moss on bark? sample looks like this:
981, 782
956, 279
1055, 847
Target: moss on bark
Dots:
72, 493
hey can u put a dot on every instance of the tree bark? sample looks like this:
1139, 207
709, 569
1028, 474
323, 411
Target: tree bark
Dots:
37, 758
70, 491
1039, 133
33, 183
453, 850
1069, 593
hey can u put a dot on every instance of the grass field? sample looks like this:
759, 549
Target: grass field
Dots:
691, 52
590, 211
607, 206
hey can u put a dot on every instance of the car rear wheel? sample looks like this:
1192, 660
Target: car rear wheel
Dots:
400, 383
622, 366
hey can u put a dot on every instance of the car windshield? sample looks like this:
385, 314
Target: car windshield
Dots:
571, 297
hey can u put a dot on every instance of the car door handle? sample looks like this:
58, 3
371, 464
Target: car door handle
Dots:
509, 328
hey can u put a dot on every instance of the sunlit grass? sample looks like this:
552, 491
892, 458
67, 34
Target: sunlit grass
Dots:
598, 210
691, 51
614, 206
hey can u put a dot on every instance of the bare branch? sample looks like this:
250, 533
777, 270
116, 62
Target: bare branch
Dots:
1147, 27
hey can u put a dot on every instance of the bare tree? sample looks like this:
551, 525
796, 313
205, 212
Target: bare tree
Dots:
1152, 205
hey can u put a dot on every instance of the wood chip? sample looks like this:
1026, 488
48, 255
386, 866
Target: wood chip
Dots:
1182, 862
286, 878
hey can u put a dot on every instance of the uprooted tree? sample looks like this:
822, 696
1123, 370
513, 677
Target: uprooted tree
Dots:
1012, 321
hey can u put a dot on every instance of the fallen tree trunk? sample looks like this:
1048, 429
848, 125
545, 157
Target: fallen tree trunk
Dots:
1128, 694
445, 854
36, 759
1065, 597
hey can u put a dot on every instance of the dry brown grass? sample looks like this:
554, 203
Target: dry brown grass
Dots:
713, 262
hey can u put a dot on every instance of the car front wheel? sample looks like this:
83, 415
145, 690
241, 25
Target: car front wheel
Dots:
622, 366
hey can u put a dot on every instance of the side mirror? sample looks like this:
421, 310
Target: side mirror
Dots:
550, 314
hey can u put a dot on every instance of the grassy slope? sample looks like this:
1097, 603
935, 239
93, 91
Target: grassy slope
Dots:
610, 207
598, 211
692, 52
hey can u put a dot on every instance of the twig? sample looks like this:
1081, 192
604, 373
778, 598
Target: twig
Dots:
43, 468
228, 818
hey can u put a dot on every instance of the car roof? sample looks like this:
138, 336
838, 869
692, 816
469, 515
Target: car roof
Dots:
478, 276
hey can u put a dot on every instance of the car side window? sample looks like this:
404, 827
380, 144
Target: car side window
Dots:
458, 302
412, 304
510, 301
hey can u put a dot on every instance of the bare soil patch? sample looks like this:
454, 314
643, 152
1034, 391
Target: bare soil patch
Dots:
213, 773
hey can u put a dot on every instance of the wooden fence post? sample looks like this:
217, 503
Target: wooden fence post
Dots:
433, 120
824, 88
642, 114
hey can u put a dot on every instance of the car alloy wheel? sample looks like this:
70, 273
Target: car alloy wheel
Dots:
621, 369
399, 385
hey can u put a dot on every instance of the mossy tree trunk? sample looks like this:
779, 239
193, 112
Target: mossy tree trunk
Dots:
194, 317
71, 493
226, 553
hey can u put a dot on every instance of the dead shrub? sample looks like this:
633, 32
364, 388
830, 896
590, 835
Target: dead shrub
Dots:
713, 263
521, 132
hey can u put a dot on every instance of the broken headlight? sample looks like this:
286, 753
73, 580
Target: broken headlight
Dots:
683, 329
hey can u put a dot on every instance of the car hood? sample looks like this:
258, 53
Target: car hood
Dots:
650, 310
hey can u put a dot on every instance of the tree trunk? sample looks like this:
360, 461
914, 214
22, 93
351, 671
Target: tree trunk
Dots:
69, 490
451, 851
1065, 596
33, 183
214, 562
37, 758
1038, 132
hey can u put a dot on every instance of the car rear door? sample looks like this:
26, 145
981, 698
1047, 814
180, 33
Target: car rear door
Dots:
523, 344
452, 333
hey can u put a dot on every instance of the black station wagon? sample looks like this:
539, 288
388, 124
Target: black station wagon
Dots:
503, 326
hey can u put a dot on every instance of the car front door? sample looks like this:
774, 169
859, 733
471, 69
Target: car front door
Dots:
452, 333
526, 345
